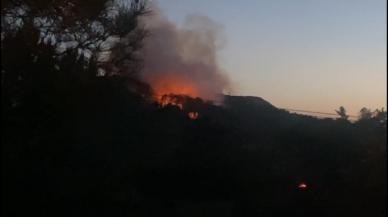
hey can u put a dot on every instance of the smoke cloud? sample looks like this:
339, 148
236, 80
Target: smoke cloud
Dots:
183, 60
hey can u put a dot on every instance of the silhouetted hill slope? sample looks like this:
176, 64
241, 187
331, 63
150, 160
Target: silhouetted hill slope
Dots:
120, 154
247, 102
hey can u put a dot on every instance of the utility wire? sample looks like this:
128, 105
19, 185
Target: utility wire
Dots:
316, 112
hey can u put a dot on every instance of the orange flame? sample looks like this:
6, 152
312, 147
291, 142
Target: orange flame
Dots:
168, 89
193, 115
165, 100
174, 84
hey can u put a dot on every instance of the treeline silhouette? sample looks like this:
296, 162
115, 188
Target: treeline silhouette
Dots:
83, 137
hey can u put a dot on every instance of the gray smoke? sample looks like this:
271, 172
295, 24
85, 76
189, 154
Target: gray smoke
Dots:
183, 58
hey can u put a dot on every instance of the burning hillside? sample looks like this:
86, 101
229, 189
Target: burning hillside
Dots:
183, 102
172, 89
182, 61
171, 84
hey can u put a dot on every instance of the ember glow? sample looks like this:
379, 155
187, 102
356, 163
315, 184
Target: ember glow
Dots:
169, 99
193, 115
171, 89
179, 101
173, 84
302, 185
167, 88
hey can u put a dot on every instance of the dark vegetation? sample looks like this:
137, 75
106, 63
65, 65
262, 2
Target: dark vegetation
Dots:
82, 137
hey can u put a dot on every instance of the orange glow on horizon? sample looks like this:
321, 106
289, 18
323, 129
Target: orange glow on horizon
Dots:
169, 88
174, 84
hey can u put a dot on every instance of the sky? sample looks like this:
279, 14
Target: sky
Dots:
302, 54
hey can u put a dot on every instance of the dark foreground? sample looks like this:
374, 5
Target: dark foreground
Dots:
113, 154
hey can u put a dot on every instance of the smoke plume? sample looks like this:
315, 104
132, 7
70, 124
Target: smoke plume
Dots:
183, 60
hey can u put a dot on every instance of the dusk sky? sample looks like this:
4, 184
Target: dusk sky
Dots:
303, 54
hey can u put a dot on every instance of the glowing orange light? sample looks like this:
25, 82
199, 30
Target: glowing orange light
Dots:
169, 100
193, 115
302, 185
166, 89
174, 84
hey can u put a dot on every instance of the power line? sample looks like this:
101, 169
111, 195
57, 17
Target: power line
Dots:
316, 112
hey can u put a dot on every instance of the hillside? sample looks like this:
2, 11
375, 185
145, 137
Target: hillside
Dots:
248, 156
